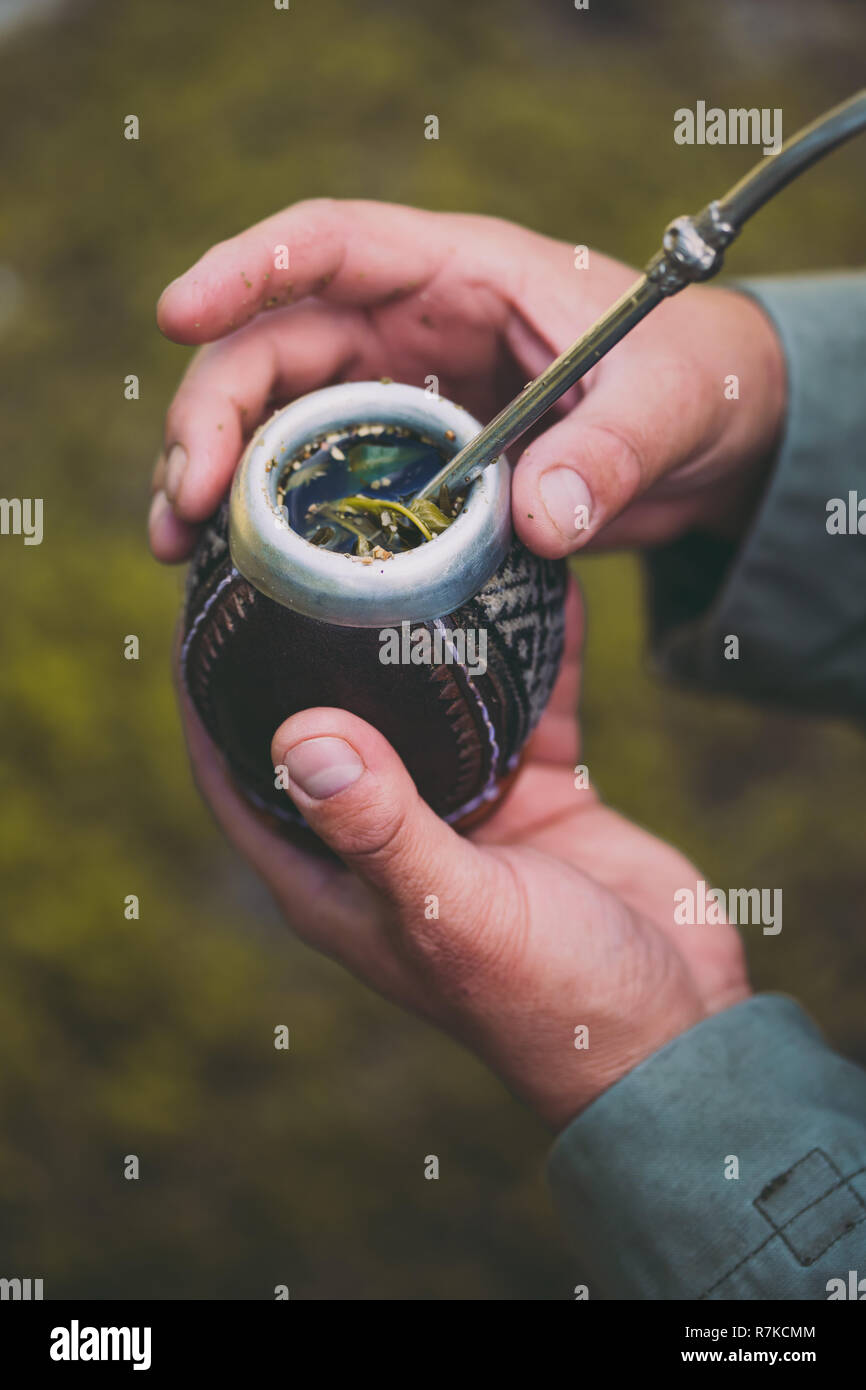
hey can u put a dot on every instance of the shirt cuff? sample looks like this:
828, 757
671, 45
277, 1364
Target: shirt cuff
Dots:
730, 1164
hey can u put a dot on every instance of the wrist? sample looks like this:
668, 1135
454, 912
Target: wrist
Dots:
623, 1050
758, 426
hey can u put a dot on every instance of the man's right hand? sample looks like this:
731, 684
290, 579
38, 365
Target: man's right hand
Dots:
649, 444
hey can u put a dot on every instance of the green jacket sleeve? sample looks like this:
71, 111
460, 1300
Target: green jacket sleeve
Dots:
732, 1164
794, 593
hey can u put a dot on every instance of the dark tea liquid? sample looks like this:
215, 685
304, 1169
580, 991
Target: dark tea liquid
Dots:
377, 463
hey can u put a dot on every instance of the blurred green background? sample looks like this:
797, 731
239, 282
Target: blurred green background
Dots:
156, 1037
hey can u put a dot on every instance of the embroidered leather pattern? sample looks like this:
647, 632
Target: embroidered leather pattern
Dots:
248, 663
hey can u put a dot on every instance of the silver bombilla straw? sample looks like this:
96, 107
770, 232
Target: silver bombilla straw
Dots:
692, 249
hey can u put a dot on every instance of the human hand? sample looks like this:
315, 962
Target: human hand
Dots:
555, 913
647, 441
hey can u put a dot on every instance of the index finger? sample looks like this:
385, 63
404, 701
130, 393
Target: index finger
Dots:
350, 252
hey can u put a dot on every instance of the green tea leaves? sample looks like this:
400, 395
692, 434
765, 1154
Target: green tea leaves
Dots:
355, 491
430, 515
369, 461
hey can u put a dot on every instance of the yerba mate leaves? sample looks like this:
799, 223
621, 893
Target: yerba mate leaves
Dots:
400, 526
374, 461
344, 519
433, 517
301, 474
353, 491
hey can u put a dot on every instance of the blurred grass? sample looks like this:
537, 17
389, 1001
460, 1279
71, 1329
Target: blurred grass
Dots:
155, 1037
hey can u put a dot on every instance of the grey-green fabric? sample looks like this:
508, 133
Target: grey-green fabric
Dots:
794, 594
732, 1163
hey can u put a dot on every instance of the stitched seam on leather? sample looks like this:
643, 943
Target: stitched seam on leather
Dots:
436, 673
199, 619
211, 626
489, 790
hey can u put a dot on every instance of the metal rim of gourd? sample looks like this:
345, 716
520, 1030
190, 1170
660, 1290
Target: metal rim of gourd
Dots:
417, 585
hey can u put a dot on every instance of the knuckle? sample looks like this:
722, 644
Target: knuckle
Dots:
174, 420
622, 460
315, 210
373, 833
319, 204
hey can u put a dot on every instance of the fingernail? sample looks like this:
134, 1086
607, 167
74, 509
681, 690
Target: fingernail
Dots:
567, 501
158, 507
158, 480
175, 467
321, 767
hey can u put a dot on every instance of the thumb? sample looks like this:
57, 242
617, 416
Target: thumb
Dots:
354, 792
631, 428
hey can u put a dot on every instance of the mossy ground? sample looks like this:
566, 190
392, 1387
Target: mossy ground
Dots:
154, 1037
